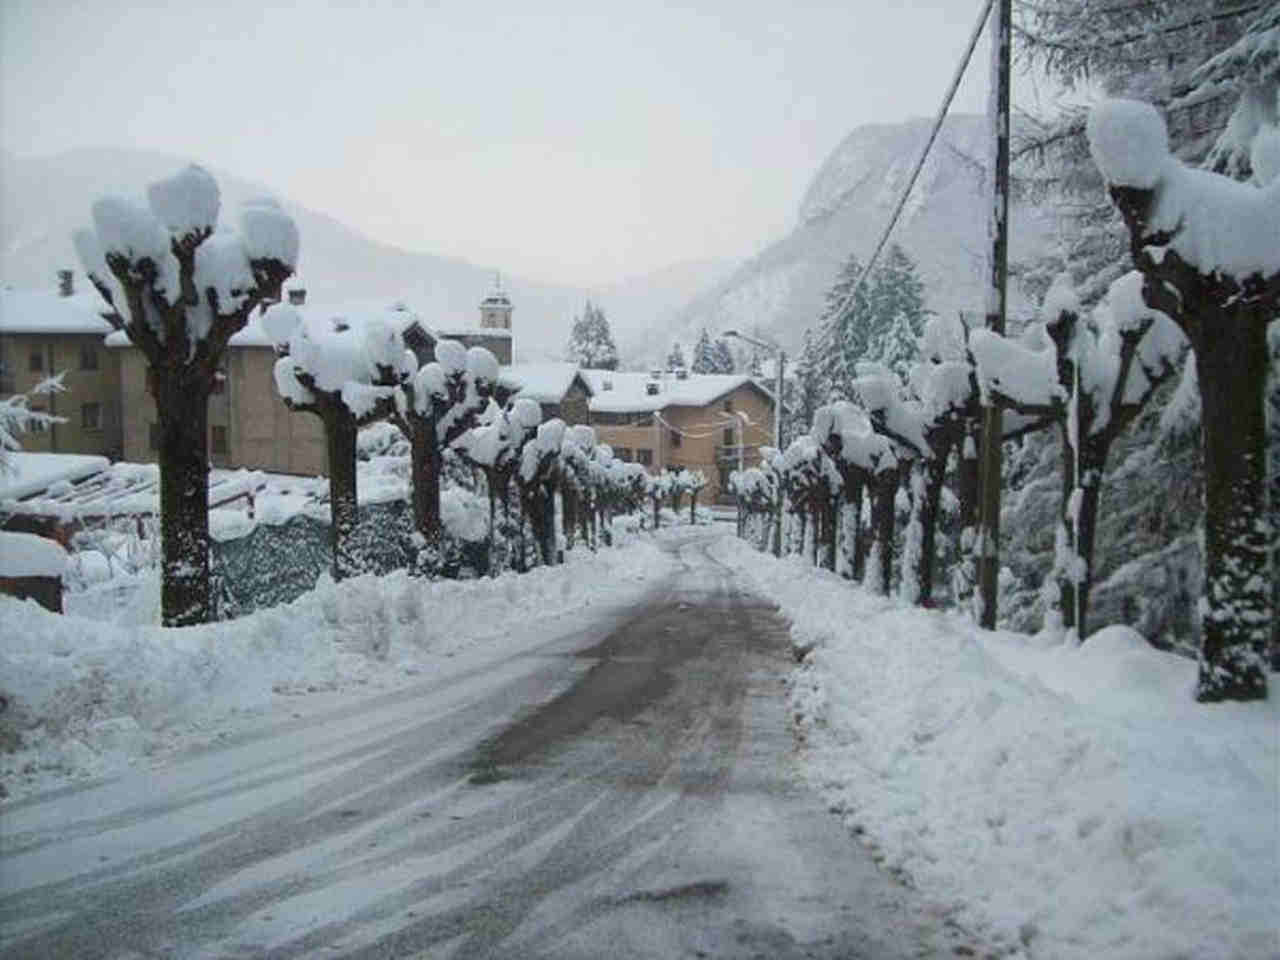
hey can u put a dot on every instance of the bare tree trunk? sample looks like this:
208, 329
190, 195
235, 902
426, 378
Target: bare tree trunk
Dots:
184, 506
1232, 368
340, 432
935, 469
882, 507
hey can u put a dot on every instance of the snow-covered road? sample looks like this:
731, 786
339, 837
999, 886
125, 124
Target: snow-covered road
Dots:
622, 787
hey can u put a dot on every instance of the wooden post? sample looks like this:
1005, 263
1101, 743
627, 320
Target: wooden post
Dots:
987, 545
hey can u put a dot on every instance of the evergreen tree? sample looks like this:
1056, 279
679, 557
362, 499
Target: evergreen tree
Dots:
704, 357
724, 362
896, 302
755, 369
675, 359
591, 341
843, 329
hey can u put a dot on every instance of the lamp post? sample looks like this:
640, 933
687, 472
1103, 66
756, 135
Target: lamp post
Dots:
781, 357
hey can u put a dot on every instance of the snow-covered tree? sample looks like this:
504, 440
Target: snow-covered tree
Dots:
897, 309
16, 416
723, 356
437, 405
496, 446
1093, 380
538, 479
591, 341
346, 370
181, 287
675, 357
1208, 249
704, 359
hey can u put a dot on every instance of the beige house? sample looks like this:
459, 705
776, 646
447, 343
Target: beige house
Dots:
715, 423
560, 389
249, 424
43, 332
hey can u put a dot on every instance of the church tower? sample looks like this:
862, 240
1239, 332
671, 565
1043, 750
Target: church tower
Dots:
495, 309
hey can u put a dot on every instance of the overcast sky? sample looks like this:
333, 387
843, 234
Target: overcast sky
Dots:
573, 142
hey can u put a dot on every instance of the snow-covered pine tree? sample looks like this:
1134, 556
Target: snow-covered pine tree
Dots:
675, 358
704, 359
591, 341
180, 291
723, 356
844, 328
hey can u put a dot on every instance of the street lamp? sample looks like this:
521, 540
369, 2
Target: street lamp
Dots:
781, 356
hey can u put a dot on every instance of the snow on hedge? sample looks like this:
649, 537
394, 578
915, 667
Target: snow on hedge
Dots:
1073, 800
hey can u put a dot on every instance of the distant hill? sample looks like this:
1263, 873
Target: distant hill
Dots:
42, 200
846, 206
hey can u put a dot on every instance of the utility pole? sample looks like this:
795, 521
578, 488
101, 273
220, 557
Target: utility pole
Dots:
987, 546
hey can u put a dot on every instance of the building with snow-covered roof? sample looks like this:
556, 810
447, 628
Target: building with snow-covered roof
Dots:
494, 332
44, 332
709, 422
560, 389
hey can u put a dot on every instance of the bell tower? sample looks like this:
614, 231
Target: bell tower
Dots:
495, 309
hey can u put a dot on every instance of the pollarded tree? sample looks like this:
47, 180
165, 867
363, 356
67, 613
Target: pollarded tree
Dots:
496, 447
538, 479
1092, 380
1208, 249
181, 287
436, 406
345, 369
591, 341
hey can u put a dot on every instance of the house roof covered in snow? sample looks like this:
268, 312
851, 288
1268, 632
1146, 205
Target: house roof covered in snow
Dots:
544, 382
44, 311
254, 335
624, 392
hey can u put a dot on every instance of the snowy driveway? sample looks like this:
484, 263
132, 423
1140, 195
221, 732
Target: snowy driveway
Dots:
623, 789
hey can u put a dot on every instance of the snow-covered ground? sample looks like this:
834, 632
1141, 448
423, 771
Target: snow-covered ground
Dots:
1074, 801
102, 688
1070, 803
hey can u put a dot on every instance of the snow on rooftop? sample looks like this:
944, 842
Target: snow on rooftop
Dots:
43, 311
543, 382
627, 392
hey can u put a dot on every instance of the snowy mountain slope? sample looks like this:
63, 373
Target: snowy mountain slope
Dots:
844, 210
42, 200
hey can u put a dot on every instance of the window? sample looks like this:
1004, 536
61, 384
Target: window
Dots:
729, 438
728, 405
91, 416
644, 456
88, 357
154, 436
675, 438
622, 453
35, 426
642, 420
36, 363
218, 440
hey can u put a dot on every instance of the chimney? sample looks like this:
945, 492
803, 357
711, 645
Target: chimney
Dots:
298, 296
65, 287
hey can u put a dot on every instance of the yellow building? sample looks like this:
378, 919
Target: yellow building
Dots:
711, 422
44, 332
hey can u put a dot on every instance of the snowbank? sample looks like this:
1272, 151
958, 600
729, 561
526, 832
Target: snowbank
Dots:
92, 692
1074, 801
27, 555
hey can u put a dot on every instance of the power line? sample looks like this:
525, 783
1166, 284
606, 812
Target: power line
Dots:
828, 334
